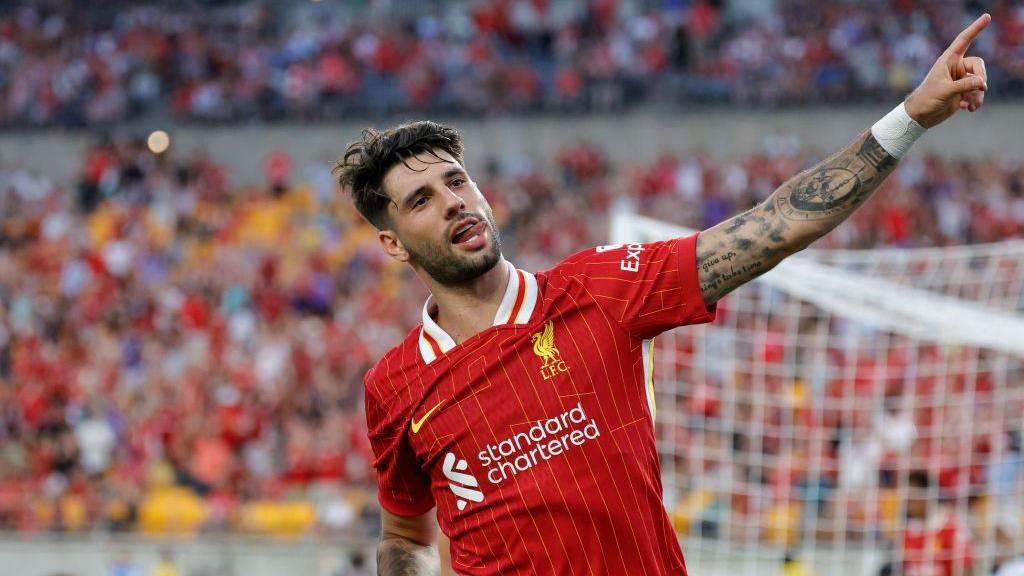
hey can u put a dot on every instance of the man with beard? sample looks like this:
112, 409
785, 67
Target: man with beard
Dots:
522, 409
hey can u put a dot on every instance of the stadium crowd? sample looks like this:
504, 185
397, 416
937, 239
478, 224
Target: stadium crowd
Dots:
70, 64
180, 353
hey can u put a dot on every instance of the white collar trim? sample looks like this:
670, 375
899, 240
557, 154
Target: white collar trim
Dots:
517, 306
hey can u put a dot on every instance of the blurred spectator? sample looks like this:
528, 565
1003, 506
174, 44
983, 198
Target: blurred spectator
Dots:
65, 64
935, 543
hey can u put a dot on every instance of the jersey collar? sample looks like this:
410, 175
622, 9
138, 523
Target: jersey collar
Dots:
516, 308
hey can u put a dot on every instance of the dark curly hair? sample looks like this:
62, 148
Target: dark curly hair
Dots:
365, 162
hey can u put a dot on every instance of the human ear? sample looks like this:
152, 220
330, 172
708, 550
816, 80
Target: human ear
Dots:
393, 245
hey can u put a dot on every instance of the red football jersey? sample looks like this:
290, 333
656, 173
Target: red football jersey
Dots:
939, 547
535, 437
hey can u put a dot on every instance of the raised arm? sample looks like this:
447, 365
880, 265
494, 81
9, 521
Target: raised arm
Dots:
407, 546
812, 203
802, 210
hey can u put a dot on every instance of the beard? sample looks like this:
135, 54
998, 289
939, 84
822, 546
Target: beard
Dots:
448, 267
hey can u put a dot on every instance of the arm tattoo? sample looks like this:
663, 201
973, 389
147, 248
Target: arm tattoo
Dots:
399, 557
831, 190
802, 210
872, 153
742, 250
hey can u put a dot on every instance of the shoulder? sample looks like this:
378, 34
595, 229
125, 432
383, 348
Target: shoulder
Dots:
574, 273
391, 373
391, 387
614, 261
595, 255
583, 262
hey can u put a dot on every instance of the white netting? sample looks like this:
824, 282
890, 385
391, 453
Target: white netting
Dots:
795, 420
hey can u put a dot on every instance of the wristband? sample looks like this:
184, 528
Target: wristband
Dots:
897, 131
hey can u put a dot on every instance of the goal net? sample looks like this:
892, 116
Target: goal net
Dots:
800, 422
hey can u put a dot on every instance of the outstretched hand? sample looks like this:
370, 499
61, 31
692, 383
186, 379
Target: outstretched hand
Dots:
955, 82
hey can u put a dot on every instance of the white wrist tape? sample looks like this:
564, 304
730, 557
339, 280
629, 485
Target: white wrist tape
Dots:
897, 131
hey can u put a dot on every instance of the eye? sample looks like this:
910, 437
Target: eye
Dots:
455, 183
419, 202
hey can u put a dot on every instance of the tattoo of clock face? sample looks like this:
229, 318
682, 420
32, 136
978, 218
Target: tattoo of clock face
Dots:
821, 194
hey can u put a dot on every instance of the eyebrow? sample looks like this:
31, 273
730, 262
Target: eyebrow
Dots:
451, 172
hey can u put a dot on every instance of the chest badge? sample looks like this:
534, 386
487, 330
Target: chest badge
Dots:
544, 348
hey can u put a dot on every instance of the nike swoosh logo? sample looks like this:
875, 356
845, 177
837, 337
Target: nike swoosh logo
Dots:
417, 425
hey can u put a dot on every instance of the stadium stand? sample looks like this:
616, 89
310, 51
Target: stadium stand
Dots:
65, 64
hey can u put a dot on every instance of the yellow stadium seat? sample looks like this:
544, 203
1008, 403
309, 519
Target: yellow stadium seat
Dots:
117, 510
278, 518
172, 510
43, 512
73, 514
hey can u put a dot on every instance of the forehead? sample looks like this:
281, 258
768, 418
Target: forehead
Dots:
406, 177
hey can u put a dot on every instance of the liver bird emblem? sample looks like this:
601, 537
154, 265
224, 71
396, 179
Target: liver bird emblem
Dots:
544, 344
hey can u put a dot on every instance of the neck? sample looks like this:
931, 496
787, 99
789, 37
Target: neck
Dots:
464, 310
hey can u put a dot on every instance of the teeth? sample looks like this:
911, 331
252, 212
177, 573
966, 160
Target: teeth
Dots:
463, 230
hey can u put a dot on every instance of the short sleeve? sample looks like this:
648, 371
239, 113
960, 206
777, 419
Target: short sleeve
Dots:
648, 288
403, 487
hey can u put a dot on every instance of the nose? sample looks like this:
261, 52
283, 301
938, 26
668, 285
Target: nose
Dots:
454, 204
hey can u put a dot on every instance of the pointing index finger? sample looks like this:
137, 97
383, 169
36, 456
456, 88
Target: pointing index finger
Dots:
963, 41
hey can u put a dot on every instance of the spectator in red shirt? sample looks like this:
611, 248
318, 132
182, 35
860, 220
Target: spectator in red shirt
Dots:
934, 542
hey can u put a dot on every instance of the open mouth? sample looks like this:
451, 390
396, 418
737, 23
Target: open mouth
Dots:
468, 231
